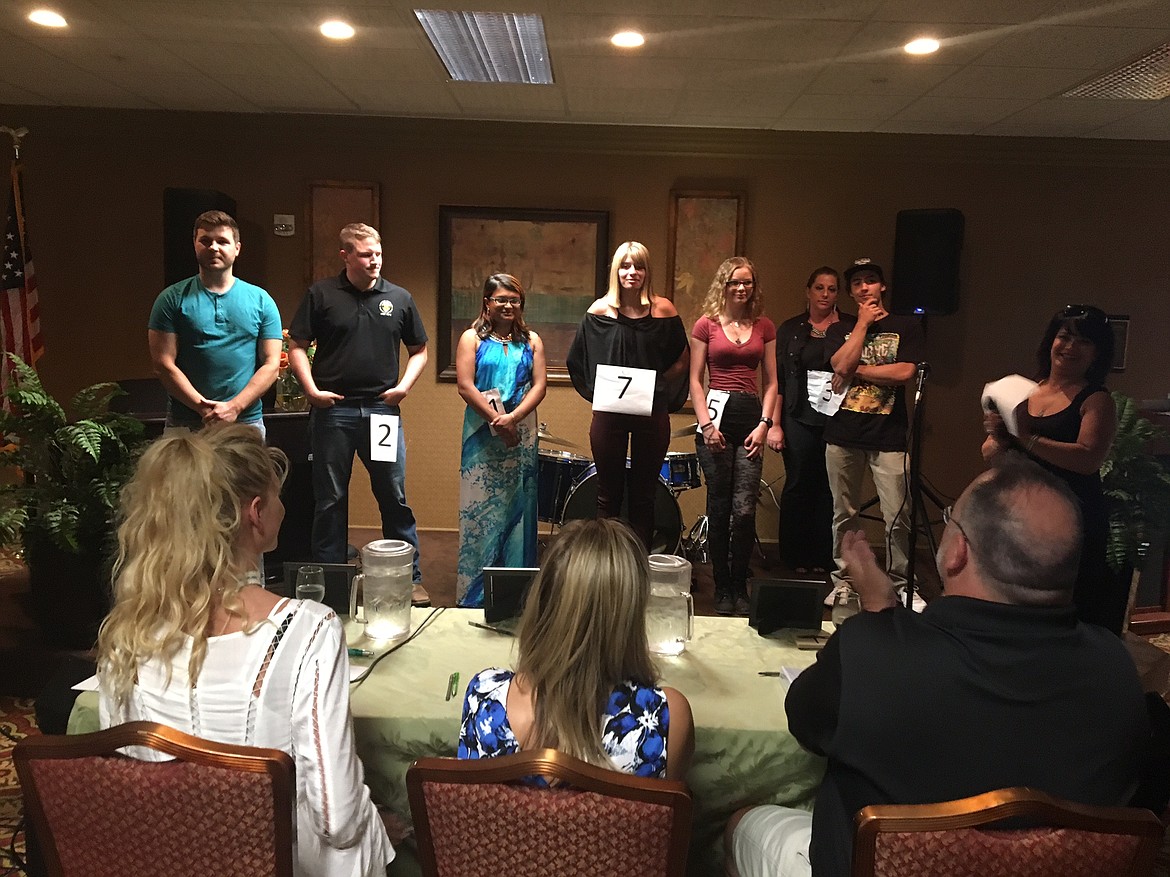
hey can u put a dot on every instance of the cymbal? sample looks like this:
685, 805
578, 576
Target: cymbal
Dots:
684, 431
545, 436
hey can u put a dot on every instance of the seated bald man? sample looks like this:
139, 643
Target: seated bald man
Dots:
995, 684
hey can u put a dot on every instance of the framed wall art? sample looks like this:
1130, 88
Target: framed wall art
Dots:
705, 228
560, 257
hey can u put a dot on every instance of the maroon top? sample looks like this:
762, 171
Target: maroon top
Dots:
732, 366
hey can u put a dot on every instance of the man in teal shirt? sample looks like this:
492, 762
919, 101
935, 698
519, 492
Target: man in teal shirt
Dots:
214, 339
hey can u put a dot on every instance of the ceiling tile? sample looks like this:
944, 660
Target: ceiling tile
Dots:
1092, 47
1009, 82
845, 106
949, 110
892, 78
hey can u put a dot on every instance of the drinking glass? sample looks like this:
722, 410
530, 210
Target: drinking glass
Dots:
311, 583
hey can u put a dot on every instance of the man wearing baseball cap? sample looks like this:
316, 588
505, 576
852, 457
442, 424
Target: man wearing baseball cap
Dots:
875, 359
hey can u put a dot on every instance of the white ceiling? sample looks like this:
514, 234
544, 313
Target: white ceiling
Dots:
820, 65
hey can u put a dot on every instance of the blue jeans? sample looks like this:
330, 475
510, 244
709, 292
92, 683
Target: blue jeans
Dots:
335, 434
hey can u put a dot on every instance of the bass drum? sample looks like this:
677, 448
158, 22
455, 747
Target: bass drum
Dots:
582, 505
556, 473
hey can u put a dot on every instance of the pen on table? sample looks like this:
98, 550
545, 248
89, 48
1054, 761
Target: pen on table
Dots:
498, 630
360, 653
769, 673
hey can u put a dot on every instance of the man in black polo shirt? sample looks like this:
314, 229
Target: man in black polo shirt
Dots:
358, 320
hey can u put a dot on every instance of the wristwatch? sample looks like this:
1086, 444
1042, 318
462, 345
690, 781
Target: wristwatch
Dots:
767, 421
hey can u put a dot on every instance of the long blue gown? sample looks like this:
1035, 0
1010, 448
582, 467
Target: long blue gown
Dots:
497, 484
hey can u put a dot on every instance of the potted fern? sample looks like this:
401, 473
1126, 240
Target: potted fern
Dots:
59, 503
1136, 485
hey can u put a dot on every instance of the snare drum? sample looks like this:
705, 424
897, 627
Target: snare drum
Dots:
680, 470
581, 504
556, 473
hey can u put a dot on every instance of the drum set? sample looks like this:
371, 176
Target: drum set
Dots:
567, 491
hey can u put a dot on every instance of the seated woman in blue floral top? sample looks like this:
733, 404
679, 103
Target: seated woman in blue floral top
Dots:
584, 682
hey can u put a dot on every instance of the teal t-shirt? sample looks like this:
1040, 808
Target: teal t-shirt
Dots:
218, 336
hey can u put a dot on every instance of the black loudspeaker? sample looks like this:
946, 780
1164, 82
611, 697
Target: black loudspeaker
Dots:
180, 208
927, 244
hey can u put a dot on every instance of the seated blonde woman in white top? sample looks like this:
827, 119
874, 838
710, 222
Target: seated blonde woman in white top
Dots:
192, 642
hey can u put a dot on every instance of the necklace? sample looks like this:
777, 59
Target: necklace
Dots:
741, 324
503, 339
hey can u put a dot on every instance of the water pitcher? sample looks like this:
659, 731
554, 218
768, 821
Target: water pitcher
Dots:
385, 587
670, 612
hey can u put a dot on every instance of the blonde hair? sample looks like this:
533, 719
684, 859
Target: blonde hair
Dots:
640, 256
716, 299
583, 632
180, 518
356, 231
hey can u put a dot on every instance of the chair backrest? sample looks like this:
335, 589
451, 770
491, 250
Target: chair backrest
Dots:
214, 809
1059, 838
476, 817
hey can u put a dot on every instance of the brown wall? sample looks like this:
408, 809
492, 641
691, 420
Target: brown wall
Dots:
1048, 222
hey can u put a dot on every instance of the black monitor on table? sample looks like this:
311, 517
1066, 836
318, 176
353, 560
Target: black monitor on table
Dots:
504, 590
797, 603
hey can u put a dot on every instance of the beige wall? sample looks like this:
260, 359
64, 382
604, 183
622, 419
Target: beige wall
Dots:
1048, 222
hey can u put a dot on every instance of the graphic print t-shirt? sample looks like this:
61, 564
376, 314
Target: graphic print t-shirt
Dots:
873, 417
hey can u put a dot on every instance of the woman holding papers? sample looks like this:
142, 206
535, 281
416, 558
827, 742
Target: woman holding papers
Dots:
195, 642
584, 681
730, 342
806, 505
629, 359
499, 366
1067, 425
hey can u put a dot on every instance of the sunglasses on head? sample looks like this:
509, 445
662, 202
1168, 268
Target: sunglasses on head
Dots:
1083, 312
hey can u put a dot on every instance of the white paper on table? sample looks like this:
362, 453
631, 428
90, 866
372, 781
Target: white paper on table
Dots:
1005, 395
356, 671
90, 684
384, 437
820, 393
790, 673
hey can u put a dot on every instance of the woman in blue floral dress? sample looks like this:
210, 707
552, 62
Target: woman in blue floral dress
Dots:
499, 365
584, 682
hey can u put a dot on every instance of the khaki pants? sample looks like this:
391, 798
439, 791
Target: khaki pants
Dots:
846, 468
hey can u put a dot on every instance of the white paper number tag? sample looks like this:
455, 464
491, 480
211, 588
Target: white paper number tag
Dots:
716, 402
384, 437
820, 393
622, 390
495, 402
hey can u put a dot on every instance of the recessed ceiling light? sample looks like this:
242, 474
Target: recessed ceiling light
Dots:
489, 46
627, 39
336, 30
47, 18
921, 46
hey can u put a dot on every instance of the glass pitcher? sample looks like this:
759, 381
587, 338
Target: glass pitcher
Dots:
670, 610
385, 587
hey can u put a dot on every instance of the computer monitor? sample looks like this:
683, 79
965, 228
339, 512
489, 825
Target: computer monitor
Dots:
504, 590
796, 603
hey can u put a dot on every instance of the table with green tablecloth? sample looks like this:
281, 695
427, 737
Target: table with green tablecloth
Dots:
743, 751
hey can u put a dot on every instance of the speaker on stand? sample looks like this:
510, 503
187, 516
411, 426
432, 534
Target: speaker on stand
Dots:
927, 245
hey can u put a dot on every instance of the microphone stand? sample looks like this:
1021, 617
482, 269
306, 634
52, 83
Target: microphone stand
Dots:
916, 488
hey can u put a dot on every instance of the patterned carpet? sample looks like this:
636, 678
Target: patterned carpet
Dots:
16, 723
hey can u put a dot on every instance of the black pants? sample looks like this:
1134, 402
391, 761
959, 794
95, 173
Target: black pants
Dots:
806, 505
733, 486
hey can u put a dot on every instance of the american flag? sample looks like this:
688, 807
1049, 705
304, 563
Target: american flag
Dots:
20, 310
